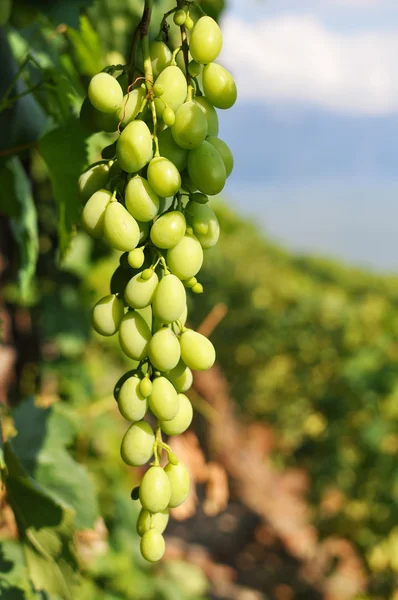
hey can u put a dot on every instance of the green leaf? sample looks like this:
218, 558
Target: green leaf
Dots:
64, 152
14, 580
87, 47
63, 12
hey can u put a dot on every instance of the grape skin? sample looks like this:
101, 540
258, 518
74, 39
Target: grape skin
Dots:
93, 213
206, 40
182, 420
202, 214
164, 177
186, 258
179, 483
157, 520
168, 230
164, 350
155, 490
152, 545
134, 147
169, 299
173, 81
134, 336
121, 230
206, 169
137, 444
132, 405
219, 86
197, 351
210, 114
92, 180
107, 315
224, 151
190, 126
130, 106
169, 149
105, 93
139, 292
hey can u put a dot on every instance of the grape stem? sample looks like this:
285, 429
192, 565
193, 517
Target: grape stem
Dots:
184, 44
157, 447
144, 31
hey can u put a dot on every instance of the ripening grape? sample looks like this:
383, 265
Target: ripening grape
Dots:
139, 292
197, 351
145, 387
183, 380
130, 106
219, 86
92, 180
186, 258
179, 17
141, 201
206, 40
134, 147
146, 314
163, 400
121, 230
210, 114
203, 215
132, 405
224, 151
179, 483
182, 420
169, 299
163, 177
206, 169
197, 288
152, 545
107, 314
160, 56
155, 490
105, 93
169, 116
134, 336
136, 258
168, 230
93, 213
175, 85
171, 150
157, 520
164, 350
189, 23
137, 444
190, 127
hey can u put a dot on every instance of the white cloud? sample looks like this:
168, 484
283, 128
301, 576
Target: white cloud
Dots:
296, 58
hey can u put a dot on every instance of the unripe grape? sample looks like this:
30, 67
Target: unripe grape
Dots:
187, 183
134, 147
225, 153
219, 86
155, 491
169, 299
121, 380
206, 169
182, 380
163, 177
137, 445
168, 230
163, 400
210, 114
189, 23
144, 230
105, 93
169, 116
121, 230
107, 314
146, 314
132, 405
179, 483
199, 198
206, 40
197, 351
175, 85
203, 217
92, 180
136, 258
198, 288
200, 229
185, 259
160, 56
171, 150
179, 17
93, 213
152, 545
158, 90
194, 69
164, 350
134, 336
145, 387
189, 283
94, 120
141, 201
130, 106
139, 292
147, 274
146, 519
190, 127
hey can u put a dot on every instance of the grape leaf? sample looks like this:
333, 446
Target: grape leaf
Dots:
87, 47
63, 12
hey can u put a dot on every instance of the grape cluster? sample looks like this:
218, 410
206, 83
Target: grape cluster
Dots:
148, 198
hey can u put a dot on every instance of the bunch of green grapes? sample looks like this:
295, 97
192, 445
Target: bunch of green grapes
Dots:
148, 199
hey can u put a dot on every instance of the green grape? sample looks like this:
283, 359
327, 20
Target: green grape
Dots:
121, 380
144, 231
186, 258
5, 11
203, 215
137, 445
175, 85
152, 545
189, 23
172, 151
107, 314
168, 230
225, 153
219, 86
93, 213
146, 314
132, 405
155, 490
160, 56
92, 180
147, 274
105, 93
141, 201
181, 379
136, 258
182, 319
206, 169
121, 230
157, 520
199, 198
163, 177
139, 292
134, 336
198, 288
146, 387
189, 283
94, 120
164, 350
179, 17
190, 127
169, 116
206, 40
158, 90
130, 106
197, 351
210, 114
187, 183
163, 400
179, 483
194, 69
134, 147
123, 80
169, 299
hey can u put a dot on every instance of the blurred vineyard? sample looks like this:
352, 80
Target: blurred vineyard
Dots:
294, 443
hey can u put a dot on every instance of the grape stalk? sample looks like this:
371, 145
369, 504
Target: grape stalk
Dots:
148, 198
